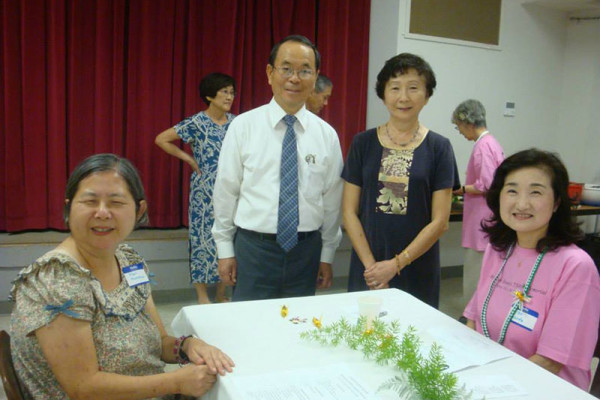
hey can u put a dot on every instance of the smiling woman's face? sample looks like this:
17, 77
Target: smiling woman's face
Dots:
405, 95
103, 212
527, 203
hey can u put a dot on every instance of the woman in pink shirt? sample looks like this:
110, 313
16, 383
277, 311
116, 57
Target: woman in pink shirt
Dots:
487, 154
538, 293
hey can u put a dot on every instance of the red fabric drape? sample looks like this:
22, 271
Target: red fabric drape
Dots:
343, 39
83, 77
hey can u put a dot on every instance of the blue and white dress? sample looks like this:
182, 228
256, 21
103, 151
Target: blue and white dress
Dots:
205, 138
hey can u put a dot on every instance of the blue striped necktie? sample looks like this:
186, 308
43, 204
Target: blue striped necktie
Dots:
287, 217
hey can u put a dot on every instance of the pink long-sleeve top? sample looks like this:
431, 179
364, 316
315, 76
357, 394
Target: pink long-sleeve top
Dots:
486, 157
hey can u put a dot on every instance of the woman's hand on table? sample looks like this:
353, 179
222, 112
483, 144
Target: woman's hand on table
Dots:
379, 274
195, 380
199, 352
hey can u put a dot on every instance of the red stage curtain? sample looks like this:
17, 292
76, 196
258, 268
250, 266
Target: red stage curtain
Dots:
343, 40
84, 77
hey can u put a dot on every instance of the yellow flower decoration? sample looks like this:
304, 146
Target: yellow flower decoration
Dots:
521, 297
317, 322
284, 311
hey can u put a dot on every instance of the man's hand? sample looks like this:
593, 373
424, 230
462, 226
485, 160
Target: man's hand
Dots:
324, 276
228, 270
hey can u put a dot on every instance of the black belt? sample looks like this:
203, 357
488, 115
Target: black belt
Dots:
273, 236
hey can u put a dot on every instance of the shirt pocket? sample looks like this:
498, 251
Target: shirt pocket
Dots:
315, 181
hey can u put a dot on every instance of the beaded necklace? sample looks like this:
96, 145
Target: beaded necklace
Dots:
521, 296
413, 138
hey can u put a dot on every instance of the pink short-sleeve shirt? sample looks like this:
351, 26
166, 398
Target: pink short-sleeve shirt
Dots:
565, 294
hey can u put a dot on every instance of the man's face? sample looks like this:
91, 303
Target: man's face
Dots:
291, 92
317, 101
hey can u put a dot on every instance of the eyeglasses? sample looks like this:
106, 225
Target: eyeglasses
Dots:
288, 72
225, 92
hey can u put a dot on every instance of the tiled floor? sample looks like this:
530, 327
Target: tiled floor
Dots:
451, 303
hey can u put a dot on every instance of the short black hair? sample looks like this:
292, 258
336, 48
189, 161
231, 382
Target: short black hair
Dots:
399, 65
563, 229
299, 39
212, 83
322, 83
470, 112
100, 163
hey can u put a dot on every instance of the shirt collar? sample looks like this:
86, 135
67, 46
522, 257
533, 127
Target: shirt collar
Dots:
480, 136
276, 113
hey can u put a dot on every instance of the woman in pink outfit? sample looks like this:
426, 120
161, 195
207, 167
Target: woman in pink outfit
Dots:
538, 294
487, 154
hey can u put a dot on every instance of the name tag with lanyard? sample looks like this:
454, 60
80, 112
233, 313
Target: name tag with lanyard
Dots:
525, 318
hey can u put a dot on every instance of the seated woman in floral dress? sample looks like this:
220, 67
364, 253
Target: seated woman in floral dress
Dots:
84, 325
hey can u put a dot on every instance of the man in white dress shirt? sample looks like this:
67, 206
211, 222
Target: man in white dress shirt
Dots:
246, 195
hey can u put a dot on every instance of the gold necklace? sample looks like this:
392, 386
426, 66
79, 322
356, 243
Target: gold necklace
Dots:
412, 139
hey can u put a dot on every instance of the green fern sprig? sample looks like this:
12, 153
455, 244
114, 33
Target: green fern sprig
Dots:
421, 378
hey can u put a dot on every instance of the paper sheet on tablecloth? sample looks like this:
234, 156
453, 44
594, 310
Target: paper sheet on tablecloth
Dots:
466, 349
332, 382
492, 386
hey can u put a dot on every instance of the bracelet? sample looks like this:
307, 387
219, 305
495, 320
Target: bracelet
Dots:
406, 254
464, 190
180, 356
397, 258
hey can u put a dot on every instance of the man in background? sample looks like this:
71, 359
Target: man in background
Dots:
320, 95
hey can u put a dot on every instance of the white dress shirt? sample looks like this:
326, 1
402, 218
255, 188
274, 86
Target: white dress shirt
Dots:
246, 192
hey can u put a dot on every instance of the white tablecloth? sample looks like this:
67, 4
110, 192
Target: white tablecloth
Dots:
260, 341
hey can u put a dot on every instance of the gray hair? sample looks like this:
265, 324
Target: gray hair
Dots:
470, 112
322, 83
101, 163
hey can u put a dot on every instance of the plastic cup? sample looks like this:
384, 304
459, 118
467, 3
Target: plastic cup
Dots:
369, 307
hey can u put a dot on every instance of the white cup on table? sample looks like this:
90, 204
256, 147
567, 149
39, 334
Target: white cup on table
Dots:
369, 307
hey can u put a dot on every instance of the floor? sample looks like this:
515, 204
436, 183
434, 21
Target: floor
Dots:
451, 303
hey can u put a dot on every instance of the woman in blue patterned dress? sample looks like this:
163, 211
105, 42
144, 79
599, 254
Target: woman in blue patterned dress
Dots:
204, 132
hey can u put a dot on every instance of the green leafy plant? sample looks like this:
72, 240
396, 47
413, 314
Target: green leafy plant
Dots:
420, 378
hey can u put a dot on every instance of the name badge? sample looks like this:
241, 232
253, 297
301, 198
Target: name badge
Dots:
135, 274
525, 318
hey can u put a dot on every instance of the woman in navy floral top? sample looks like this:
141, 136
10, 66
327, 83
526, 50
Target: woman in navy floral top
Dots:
398, 187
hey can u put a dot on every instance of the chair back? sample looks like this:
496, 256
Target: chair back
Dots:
7, 369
